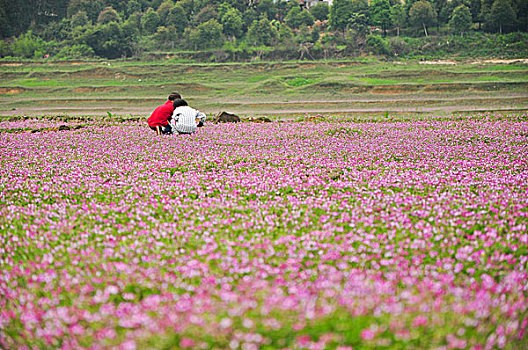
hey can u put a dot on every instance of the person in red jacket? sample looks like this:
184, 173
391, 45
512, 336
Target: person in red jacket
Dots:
159, 119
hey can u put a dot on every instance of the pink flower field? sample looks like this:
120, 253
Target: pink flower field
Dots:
358, 234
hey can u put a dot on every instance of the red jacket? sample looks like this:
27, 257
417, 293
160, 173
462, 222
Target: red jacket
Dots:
161, 115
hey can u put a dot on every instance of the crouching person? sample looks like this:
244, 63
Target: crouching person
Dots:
159, 119
185, 120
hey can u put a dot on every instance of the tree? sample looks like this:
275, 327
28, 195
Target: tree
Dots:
205, 14
262, 32
380, 14
266, 8
177, 19
320, 11
132, 7
107, 15
378, 45
5, 28
222, 9
232, 23
79, 19
166, 37
501, 15
346, 14
285, 35
249, 16
27, 45
59, 31
475, 7
340, 13
164, 11
283, 7
307, 18
240, 5
443, 9
485, 9
92, 8
106, 40
461, 19
522, 13
150, 21
315, 34
446, 12
210, 34
422, 14
398, 17
297, 17
303, 35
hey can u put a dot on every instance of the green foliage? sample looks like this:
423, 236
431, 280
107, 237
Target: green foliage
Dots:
380, 14
232, 23
297, 82
297, 17
266, 8
79, 19
75, 52
206, 35
27, 45
285, 33
262, 32
316, 34
320, 11
108, 15
133, 6
5, 49
349, 14
398, 17
205, 14
164, 11
461, 19
501, 16
166, 36
150, 21
421, 15
91, 8
145, 25
110, 40
378, 45
340, 13
177, 18
5, 29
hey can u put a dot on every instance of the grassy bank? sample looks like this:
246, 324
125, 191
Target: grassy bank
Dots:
363, 86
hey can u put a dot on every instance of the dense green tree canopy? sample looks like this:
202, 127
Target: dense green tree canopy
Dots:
320, 11
380, 14
262, 32
461, 19
502, 15
119, 28
107, 15
340, 14
422, 14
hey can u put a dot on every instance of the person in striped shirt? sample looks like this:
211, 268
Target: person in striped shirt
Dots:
185, 120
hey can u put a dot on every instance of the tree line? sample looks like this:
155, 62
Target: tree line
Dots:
118, 28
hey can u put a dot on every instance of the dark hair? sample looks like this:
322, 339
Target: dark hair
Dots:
174, 95
179, 102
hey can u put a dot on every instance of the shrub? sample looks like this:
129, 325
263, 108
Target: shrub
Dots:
398, 46
5, 49
75, 52
27, 45
378, 45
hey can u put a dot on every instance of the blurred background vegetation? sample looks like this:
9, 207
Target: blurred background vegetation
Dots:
243, 30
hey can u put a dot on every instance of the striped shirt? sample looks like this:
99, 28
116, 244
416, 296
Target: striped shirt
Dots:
184, 119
